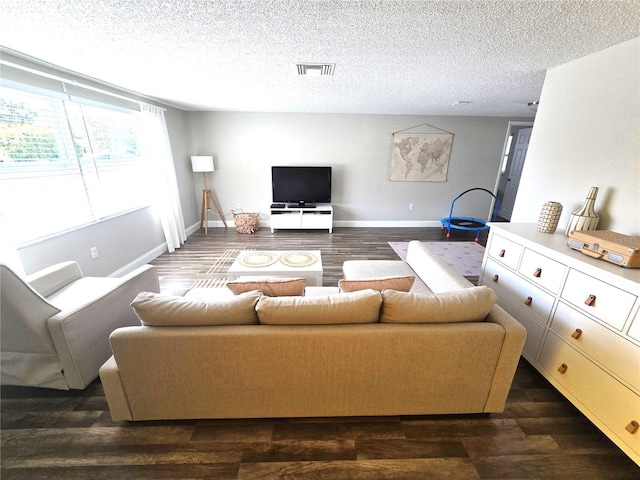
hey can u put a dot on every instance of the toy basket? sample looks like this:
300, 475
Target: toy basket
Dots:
246, 222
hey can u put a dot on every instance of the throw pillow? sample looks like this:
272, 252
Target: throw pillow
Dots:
154, 309
271, 287
357, 307
465, 305
401, 284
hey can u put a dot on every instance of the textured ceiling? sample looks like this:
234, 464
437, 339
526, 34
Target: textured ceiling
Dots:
395, 57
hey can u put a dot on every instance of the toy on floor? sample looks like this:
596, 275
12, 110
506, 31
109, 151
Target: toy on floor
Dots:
469, 223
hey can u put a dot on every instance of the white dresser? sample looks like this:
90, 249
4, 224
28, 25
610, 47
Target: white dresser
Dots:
582, 321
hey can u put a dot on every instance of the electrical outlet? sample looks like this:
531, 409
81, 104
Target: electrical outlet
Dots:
411, 206
94, 252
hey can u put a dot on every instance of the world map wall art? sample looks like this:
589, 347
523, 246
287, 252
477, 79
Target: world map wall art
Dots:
420, 157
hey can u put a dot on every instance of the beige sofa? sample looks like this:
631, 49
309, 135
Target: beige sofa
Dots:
328, 354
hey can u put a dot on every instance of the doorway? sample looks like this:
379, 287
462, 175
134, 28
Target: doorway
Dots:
513, 158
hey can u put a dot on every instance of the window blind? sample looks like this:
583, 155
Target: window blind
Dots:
64, 164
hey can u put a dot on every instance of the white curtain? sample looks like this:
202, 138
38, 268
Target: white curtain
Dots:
164, 184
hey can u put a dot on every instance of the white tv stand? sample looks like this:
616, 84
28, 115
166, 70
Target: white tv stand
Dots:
295, 217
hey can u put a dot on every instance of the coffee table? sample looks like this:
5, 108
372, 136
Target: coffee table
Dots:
305, 264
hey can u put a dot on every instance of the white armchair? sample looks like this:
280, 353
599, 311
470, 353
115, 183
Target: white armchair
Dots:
55, 323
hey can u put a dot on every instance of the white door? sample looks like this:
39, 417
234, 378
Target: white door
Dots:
516, 163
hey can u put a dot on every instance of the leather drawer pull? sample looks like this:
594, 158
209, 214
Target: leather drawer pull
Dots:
577, 333
495, 277
528, 301
591, 300
537, 273
563, 368
502, 252
632, 427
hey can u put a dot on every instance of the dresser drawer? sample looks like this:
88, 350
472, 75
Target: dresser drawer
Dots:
535, 330
609, 349
542, 270
285, 219
505, 251
634, 330
530, 299
611, 305
604, 397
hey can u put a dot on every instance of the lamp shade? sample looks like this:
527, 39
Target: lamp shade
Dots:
202, 163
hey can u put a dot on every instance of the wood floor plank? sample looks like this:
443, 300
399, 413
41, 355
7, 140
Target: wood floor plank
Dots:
554, 467
300, 451
338, 430
50, 434
129, 472
397, 469
410, 448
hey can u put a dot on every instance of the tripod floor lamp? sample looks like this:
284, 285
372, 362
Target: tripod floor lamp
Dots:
204, 164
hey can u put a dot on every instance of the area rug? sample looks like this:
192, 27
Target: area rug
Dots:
464, 257
216, 275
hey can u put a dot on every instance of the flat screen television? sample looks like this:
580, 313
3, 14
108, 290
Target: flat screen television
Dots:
301, 185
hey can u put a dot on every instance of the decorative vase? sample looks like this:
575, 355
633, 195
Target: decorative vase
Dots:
549, 217
585, 218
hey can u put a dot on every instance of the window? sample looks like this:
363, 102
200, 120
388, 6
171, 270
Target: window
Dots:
505, 154
64, 164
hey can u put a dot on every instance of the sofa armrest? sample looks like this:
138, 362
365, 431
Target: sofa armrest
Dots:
53, 278
515, 335
114, 391
147, 274
434, 272
81, 335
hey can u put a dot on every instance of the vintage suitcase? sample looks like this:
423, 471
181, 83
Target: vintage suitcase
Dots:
623, 250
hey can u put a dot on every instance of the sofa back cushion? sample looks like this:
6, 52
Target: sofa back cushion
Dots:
357, 307
402, 284
157, 310
271, 287
464, 305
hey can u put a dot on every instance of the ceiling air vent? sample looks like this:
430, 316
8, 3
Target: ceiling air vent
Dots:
315, 69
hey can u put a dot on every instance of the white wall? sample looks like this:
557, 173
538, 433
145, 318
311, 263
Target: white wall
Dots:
358, 147
587, 133
120, 241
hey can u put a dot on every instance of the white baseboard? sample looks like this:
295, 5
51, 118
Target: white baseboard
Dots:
387, 223
195, 227
348, 223
151, 254
141, 260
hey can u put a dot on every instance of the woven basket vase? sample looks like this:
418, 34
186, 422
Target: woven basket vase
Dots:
247, 222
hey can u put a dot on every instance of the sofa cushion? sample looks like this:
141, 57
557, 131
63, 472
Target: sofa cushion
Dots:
402, 284
271, 286
356, 307
366, 269
465, 305
154, 309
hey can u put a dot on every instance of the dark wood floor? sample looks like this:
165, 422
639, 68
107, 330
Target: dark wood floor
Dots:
69, 435
204, 259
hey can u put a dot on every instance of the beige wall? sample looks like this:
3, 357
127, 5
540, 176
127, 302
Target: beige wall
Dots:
587, 133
